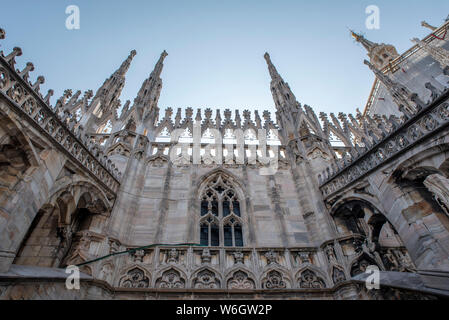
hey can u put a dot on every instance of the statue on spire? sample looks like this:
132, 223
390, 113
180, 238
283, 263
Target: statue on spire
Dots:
368, 45
380, 54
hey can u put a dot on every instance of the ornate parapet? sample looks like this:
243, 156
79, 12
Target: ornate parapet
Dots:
433, 118
184, 154
261, 268
24, 99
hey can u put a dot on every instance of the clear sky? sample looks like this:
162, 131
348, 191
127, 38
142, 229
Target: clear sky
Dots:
215, 47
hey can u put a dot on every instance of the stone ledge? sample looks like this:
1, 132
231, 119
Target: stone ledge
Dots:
435, 279
405, 280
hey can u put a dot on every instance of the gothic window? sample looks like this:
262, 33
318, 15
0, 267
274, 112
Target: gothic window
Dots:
220, 214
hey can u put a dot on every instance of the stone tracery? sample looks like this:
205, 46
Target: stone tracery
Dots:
221, 219
135, 278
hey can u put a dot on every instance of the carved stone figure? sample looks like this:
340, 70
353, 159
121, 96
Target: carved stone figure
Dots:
173, 256
238, 257
304, 257
338, 275
331, 254
360, 267
405, 263
206, 256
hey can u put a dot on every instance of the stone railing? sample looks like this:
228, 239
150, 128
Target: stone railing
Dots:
26, 101
224, 268
430, 120
229, 155
196, 267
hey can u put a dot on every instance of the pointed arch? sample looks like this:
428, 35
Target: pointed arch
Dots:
135, 277
240, 279
170, 278
275, 279
312, 277
205, 278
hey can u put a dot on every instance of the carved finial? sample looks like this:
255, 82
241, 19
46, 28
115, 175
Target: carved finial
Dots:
10, 58
189, 113
178, 117
127, 63
168, 113
218, 118
227, 114
40, 80
267, 56
267, 116
208, 113
271, 68
257, 118
67, 93
88, 94
25, 72
198, 115
238, 120
2, 34
48, 96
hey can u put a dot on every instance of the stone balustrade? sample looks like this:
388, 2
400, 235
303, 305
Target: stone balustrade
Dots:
196, 267
431, 119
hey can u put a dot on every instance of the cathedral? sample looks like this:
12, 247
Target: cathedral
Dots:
216, 204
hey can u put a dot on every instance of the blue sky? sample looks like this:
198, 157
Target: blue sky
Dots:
215, 47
